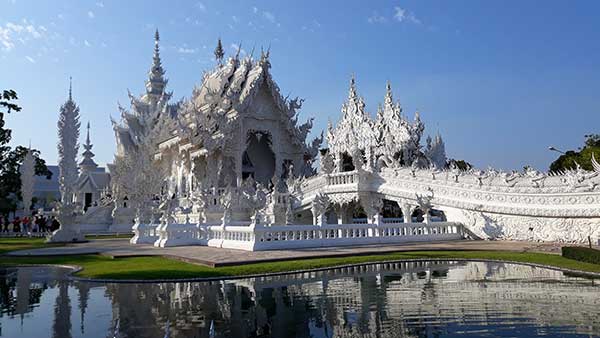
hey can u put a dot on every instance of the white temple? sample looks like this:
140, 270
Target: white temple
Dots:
232, 167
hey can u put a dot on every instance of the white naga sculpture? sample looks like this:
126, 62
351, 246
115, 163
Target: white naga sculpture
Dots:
234, 167
68, 146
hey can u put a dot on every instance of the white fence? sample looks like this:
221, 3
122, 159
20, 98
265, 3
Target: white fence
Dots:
296, 236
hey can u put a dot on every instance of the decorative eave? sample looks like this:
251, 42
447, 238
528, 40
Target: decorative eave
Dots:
170, 142
201, 152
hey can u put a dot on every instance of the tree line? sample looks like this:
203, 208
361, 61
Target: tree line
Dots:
12, 158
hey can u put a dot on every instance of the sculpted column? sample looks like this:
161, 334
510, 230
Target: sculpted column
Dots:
319, 207
407, 210
240, 154
372, 206
341, 211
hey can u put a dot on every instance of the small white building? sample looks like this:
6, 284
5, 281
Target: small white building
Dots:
93, 180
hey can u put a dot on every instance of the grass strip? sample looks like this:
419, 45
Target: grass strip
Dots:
22, 243
153, 267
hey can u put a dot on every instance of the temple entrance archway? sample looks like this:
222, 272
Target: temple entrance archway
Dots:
392, 211
347, 163
258, 160
437, 215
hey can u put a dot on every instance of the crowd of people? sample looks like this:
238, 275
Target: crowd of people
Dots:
28, 226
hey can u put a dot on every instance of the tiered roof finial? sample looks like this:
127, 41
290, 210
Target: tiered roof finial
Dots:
156, 83
389, 97
87, 141
70, 88
88, 163
352, 92
219, 53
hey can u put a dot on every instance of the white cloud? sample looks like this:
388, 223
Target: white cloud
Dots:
22, 33
254, 10
312, 27
235, 19
30, 59
186, 50
91, 14
200, 6
100, 4
402, 15
376, 18
60, 16
269, 16
87, 43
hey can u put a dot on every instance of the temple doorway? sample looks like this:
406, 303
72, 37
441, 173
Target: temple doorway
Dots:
347, 163
87, 201
258, 160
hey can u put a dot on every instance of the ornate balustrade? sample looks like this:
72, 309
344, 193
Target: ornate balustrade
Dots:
350, 177
144, 234
331, 235
304, 236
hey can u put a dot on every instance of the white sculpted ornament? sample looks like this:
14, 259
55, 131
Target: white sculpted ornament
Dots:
68, 146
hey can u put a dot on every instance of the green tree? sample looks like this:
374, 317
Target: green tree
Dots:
11, 159
582, 156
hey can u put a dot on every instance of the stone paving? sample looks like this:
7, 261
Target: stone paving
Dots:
221, 257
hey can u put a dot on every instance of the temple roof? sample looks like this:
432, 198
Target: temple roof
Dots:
88, 163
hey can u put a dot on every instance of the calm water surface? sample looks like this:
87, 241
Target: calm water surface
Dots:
413, 299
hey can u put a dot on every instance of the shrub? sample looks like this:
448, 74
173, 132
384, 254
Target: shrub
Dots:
581, 254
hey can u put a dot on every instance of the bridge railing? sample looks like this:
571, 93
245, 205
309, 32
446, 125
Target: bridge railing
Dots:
349, 177
304, 236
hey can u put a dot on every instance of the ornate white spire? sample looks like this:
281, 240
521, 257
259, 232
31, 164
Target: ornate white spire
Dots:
391, 111
88, 164
436, 151
389, 97
68, 146
355, 105
355, 129
156, 84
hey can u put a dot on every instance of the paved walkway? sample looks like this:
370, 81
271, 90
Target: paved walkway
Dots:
221, 257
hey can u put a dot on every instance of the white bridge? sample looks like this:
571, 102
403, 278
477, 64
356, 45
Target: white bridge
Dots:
473, 205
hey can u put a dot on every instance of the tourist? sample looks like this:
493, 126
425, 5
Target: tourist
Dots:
54, 224
5, 224
16, 225
35, 224
43, 223
25, 225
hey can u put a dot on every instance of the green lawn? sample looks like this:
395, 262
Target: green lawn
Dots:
152, 267
95, 266
21, 243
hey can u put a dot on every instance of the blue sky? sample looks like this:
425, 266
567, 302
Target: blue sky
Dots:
501, 81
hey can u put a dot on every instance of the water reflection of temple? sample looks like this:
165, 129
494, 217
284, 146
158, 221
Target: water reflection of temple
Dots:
407, 299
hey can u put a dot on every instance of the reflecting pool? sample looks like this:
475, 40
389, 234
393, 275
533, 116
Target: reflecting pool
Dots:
409, 299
